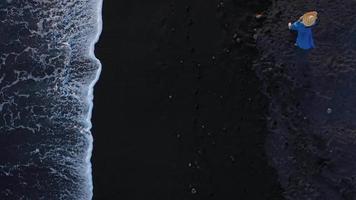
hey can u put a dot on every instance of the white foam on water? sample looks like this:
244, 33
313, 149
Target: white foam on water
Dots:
90, 95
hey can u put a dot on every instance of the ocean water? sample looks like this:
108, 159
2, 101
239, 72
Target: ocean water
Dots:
312, 113
47, 73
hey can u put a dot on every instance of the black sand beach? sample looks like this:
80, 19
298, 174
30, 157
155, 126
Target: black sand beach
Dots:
197, 100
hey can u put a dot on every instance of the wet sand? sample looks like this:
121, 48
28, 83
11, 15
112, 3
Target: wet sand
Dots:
179, 111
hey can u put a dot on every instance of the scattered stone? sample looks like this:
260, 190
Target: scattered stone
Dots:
329, 111
232, 158
220, 4
234, 36
258, 15
238, 40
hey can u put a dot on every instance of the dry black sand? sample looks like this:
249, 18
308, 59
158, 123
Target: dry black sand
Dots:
179, 112
312, 100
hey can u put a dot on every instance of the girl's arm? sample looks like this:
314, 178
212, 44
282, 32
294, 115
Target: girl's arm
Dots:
295, 26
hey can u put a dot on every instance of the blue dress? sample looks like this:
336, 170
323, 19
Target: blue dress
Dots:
305, 36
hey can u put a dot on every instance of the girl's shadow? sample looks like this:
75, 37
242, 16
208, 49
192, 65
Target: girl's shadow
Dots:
302, 71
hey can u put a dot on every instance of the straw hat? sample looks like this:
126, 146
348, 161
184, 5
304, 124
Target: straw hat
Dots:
309, 18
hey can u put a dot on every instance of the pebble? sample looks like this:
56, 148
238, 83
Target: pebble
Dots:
234, 36
329, 111
232, 158
258, 16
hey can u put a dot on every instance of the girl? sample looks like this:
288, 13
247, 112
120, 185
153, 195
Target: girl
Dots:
303, 26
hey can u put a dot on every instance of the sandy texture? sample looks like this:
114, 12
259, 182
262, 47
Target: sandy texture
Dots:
312, 95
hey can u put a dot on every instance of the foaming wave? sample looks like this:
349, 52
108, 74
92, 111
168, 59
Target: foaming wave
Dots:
90, 95
47, 74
